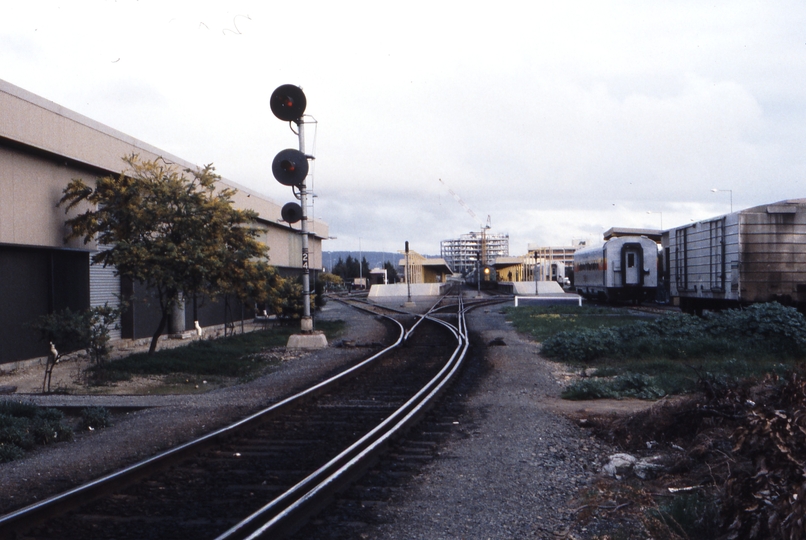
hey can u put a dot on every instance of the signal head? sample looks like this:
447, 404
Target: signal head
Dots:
291, 212
290, 167
288, 102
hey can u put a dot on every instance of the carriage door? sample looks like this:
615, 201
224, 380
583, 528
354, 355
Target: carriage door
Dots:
632, 262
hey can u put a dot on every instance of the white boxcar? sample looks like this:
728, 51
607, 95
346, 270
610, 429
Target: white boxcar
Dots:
753, 255
623, 269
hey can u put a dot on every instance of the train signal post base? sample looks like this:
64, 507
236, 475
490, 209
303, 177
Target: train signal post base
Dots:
316, 340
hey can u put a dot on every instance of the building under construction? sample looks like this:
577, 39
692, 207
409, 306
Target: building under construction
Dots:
463, 253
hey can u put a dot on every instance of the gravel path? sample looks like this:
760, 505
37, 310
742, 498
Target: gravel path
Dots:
511, 466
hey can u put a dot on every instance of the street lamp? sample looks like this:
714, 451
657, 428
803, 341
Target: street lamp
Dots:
661, 217
715, 190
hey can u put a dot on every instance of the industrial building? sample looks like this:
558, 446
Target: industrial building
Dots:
42, 147
463, 253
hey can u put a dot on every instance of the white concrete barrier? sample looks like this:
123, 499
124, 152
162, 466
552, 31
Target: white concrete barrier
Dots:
402, 290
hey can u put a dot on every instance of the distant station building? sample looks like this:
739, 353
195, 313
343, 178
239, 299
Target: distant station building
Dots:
511, 269
377, 276
42, 147
423, 269
421, 276
463, 253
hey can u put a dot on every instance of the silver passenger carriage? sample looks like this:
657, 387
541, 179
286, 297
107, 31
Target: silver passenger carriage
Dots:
753, 255
623, 269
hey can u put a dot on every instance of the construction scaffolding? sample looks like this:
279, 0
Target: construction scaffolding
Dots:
462, 253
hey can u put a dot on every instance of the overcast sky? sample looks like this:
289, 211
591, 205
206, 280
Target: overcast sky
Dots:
557, 119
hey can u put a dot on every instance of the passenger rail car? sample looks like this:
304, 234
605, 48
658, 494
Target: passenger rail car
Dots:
753, 255
624, 269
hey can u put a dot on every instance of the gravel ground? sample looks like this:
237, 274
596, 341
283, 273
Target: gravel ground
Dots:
511, 467
509, 470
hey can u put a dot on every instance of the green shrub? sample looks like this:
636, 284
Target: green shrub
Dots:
95, 418
629, 385
583, 345
10, 452
18, 409
15, 430
48, 427
637, 385
24, 425
585, 389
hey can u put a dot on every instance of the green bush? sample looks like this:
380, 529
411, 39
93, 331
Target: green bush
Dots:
629, 385
24, 425
16, 431
69, 331
48, 428
10, 452
583, 345
19, 409
95, 418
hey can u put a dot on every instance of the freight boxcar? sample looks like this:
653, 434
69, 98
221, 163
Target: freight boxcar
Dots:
753, 255
623, 269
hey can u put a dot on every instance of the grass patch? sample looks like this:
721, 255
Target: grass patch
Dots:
637, 356
542, 322
232, 356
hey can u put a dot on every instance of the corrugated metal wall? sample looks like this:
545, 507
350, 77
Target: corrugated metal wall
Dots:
105, 289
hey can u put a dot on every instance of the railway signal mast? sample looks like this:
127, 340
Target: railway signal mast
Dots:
290, 168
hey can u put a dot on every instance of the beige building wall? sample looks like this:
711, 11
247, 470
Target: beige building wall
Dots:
30, 189
43, 146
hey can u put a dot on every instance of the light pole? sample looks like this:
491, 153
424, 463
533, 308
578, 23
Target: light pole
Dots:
661, 217
409, 303
715, 190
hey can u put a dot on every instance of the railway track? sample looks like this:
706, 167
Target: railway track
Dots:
264, 476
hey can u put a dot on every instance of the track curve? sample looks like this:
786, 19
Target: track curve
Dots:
333, 429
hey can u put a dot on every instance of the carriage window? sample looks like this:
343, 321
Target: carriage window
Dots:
630, 260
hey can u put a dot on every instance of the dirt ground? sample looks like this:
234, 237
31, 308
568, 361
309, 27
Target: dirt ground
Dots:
68, 374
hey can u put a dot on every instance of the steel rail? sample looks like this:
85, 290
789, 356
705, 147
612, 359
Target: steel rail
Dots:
284, 514
85, 492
